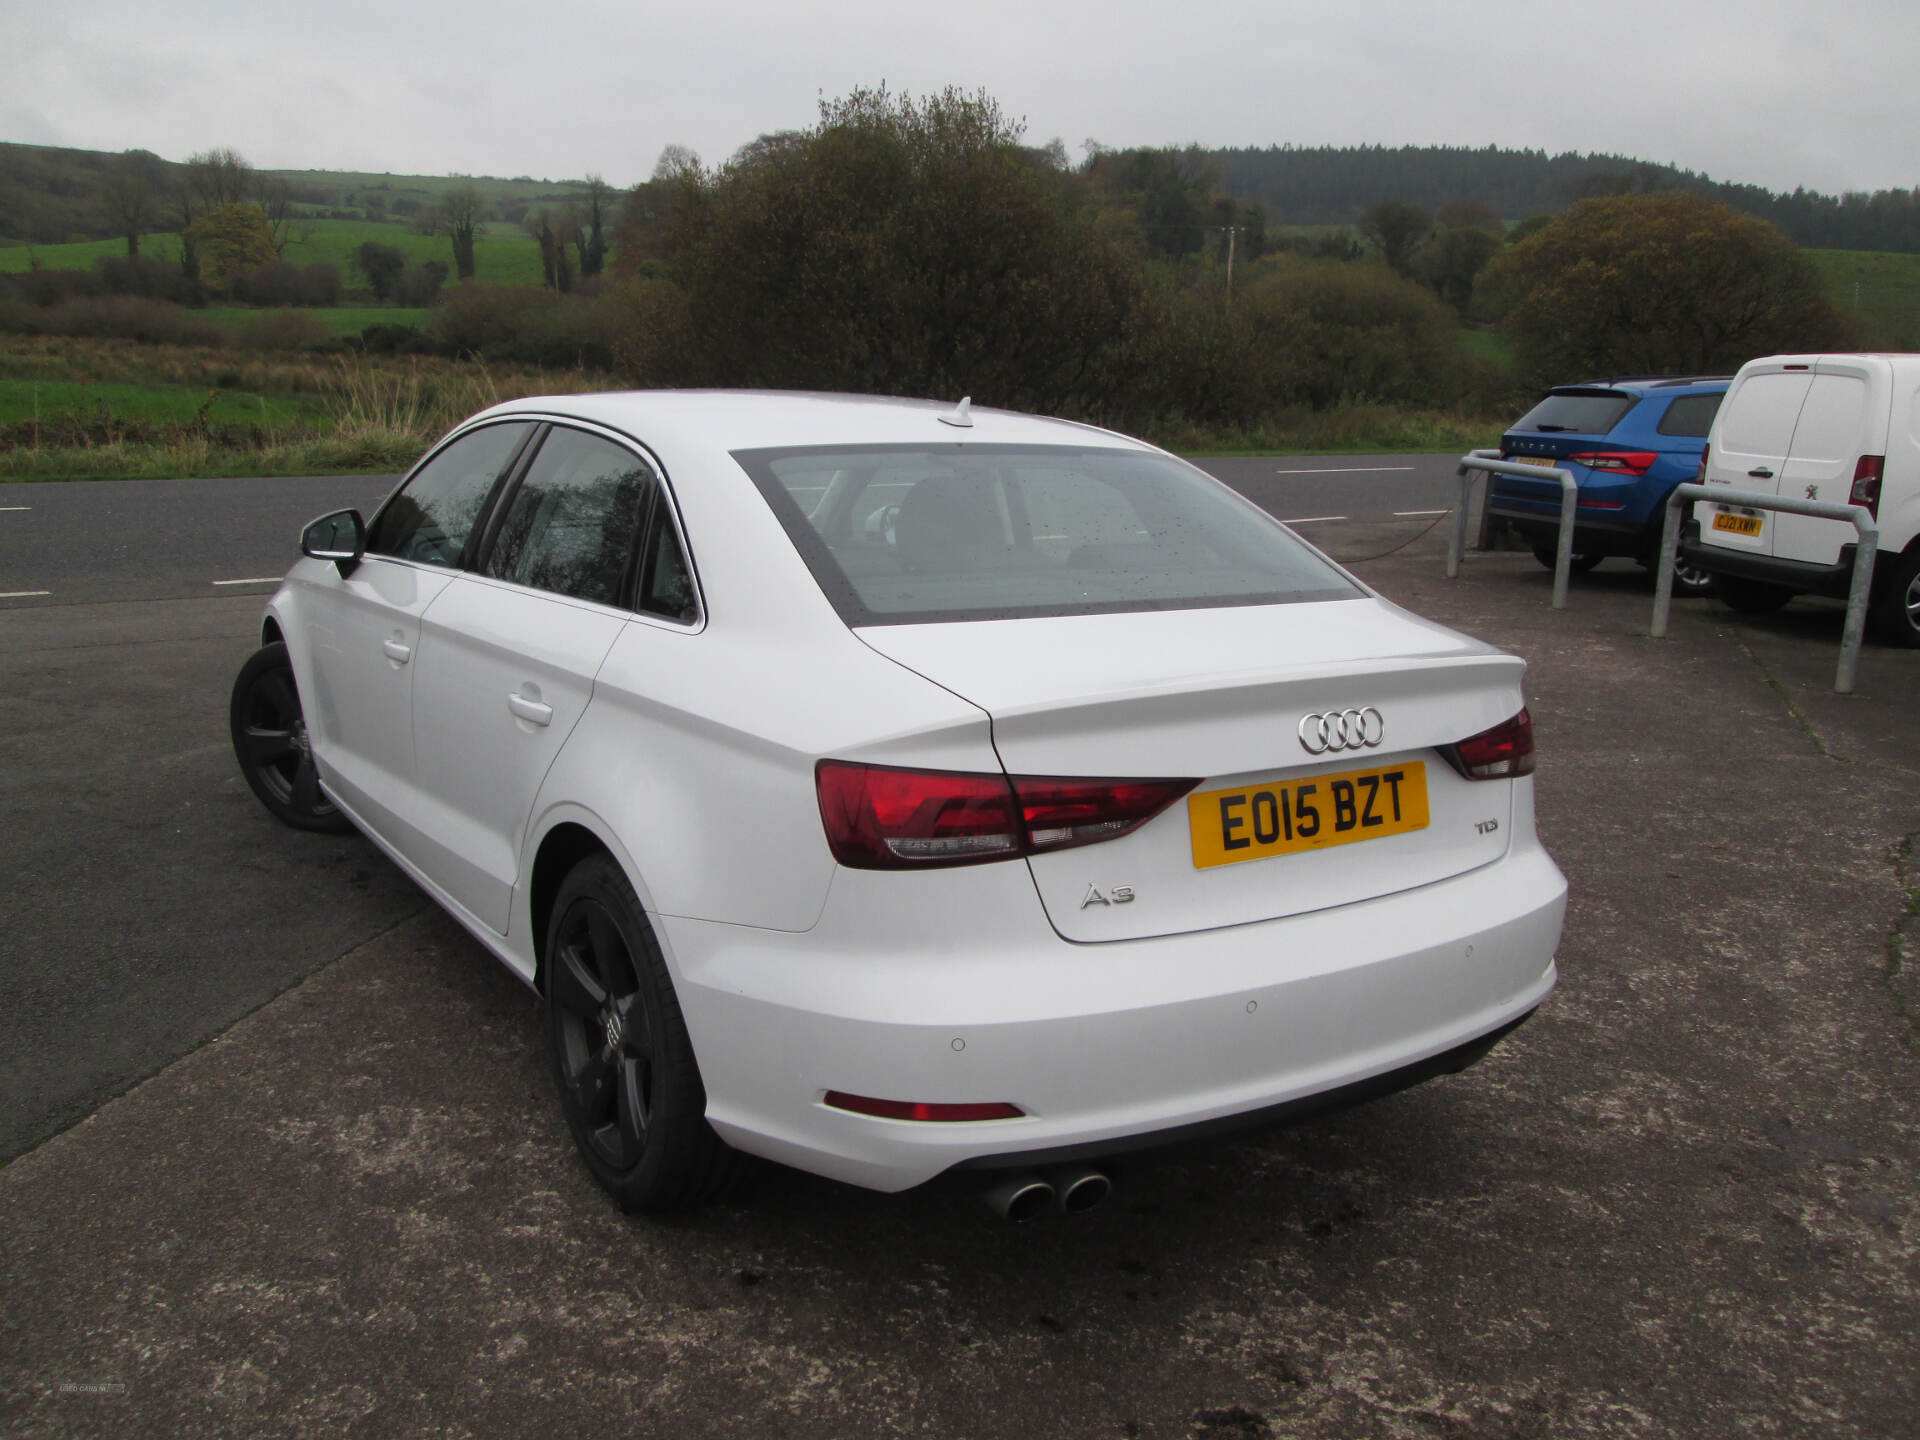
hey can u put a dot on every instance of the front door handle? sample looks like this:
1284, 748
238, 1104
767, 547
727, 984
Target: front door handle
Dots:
531, 711
397, 651
1761, 472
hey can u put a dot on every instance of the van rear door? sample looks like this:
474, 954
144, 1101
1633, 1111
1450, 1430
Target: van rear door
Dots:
1844, 417
1748, 448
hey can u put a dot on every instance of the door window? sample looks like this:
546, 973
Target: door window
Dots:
571, 523
430, 519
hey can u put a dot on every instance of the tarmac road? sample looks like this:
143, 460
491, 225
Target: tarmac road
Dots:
1682, 1201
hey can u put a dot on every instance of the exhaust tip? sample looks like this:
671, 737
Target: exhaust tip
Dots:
1020, 1198
1078, 1187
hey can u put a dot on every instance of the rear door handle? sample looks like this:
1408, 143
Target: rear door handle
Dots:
531, 711
1761, 473
396, 651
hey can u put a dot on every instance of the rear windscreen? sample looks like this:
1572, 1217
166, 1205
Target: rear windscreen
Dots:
1577, 412
897, 535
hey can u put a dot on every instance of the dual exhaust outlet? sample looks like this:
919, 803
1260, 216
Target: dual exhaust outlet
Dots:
1072, 1189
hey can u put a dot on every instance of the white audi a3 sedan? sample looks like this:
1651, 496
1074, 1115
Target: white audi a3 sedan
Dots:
887, 788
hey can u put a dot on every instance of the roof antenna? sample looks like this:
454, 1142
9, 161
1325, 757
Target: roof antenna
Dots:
959, 418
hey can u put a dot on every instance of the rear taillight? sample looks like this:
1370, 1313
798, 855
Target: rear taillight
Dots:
1700, 475
1617, 462
1501, 753
935, 1111
1866, 482
880, 818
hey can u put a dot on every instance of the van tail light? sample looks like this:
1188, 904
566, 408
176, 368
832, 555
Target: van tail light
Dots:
882, 818
1866, 483
1617, 462
1700, 475
1502, 753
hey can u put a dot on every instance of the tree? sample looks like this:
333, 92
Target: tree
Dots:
1451, 261
231, 241
220, 177
460, 211
1395, 230
590, 233
130, 191
382, 265
1651, 284
901, 247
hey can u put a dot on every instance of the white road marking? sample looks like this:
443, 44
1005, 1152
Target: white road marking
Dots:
1312, 519
257, 580
1348, 470
16, 507
21, 594
1418, 514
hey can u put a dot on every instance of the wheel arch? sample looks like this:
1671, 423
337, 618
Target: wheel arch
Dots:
270, 633
561, 848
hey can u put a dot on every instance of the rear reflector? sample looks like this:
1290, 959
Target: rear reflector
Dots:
881, 818
1501, 753
1866, 483
922, 1109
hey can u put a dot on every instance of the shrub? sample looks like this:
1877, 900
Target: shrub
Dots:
478, 319
1329, 331
419, 285
144, 275
117, 317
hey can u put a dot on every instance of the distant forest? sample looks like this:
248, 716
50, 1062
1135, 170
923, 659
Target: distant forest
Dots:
1332, 185
50, 196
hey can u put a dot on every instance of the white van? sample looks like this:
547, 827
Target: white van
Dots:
1844, 428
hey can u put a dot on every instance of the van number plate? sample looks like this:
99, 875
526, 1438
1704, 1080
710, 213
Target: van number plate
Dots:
1738, 524
1284, 817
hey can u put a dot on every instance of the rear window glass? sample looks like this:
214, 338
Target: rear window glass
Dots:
902, 535
1831, 419
1760, 412
1691, 415
1577, 412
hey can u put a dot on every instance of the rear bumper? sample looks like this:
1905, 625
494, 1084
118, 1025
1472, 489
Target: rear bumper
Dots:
1103, 1046
1796, 575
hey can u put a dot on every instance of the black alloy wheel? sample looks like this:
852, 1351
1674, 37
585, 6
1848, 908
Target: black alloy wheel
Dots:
270, 741
1689, 580
629, 1085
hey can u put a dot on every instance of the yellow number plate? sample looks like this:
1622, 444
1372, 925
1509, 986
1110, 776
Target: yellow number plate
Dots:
1287, 816
1739, 524
1545, 461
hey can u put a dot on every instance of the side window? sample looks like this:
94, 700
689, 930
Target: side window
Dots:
1690, 415
430, 519
667, 587
571, 523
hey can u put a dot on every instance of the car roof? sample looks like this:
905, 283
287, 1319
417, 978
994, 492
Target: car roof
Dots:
729, 420
1642, 384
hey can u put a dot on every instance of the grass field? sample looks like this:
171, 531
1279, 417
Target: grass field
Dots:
1883, 289
46, 402
504, 253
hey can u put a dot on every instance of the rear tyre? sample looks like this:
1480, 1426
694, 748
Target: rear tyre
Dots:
1896, 608
1750, 597
1579, 563
270, 741
629, 1086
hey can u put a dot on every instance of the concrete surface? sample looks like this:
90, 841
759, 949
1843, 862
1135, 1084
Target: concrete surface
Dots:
1680, 1202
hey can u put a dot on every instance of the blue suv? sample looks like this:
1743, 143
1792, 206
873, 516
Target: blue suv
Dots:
1626, 443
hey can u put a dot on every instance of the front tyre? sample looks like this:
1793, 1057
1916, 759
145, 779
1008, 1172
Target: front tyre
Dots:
1896, 609
628, 1083
270, 741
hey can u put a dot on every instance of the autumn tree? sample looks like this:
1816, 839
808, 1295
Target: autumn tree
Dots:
231, 241
1651, 284
459, 212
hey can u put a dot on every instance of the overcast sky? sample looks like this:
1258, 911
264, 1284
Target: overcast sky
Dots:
1779, 93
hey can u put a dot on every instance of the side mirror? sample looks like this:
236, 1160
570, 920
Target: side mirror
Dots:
340, 537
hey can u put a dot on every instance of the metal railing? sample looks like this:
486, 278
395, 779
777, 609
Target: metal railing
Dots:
1857, 515
1487, 462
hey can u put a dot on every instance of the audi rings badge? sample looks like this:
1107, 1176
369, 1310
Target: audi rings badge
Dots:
1342, 730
